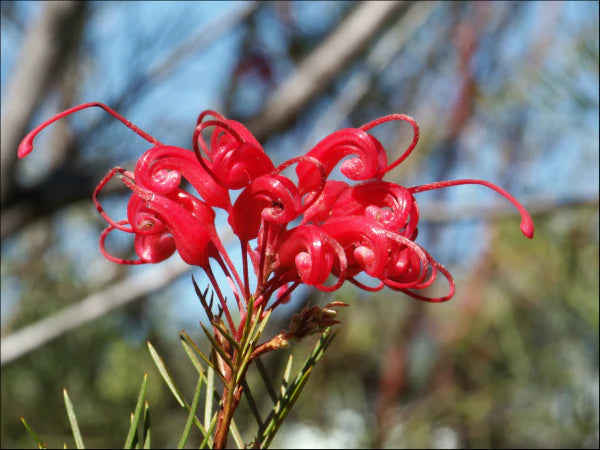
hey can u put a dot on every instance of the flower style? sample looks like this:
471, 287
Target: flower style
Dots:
290, 233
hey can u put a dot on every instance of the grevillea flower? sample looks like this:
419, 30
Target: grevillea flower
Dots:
290, 233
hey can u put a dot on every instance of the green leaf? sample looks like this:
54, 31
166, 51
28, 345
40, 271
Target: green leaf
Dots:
217, 347
73, 420
33, 434
286, 375
262, 370
133, 427
252, 403
248, 322
291, 392
190, 353
191, 415
146, 425
165, 374
236, 435
227, 336
208, 405
183, 335
249, 332
206, 440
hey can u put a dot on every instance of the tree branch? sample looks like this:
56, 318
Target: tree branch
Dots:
322, 66
37, 65
22, 205
90, 308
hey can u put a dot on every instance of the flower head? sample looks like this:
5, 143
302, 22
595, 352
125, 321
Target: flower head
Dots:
290, 233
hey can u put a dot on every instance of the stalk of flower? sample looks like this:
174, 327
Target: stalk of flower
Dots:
290, 233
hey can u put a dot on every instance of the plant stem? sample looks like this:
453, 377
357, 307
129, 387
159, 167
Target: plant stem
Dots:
230, 402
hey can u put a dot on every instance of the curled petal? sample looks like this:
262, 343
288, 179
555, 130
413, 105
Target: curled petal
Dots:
160, 170
368, 163
446, 297
273, 198
391, 117
154, 248
321, 209
241, 132
236, 167
409, 265
388, 204
236, 157
311, 253
364, 242
142, 219
189, 221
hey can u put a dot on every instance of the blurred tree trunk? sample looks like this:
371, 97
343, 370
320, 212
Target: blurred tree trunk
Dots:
49, 42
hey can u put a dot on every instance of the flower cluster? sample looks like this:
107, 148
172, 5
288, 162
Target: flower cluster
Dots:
306, 231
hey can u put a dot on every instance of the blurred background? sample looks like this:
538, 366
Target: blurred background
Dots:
504, 91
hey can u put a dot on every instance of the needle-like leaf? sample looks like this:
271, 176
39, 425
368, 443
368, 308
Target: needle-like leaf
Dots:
217, 347
291, 391
208, 405
33, 434
165, 374
133, 428
73, 421
183, 335
188, 424
266, 379
146, 426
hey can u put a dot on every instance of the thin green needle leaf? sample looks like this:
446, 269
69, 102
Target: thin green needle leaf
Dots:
227, 336
207, 440
33, 434
208, 405
252, 403
263, 324
255, 335
136, 439
293, 390
73, 420
248, 322
266, 379
135, 419
189, 351
146, 434
192, 344
183, 336
218, 348
286, 375
236, 435
249, 337
191, 415
165, 374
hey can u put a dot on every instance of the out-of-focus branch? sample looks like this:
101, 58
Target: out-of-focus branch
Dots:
191, 46
38, 62
58, 189
90, 308
134, 287
322, 66
376, 61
